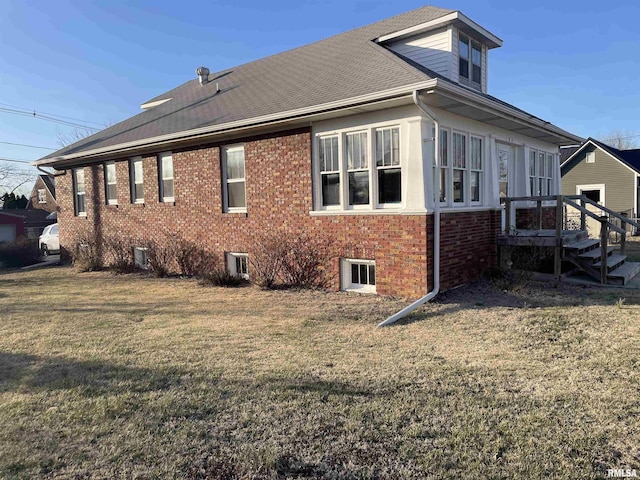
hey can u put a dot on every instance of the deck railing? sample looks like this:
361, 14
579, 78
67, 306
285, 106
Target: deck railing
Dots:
607, 221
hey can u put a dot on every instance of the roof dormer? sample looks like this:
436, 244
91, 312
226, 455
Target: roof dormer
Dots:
453, 46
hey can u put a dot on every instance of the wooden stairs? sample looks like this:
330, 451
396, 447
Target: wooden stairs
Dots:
586, 254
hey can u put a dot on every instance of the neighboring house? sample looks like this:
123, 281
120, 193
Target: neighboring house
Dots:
42, 207
604, 174
350, 137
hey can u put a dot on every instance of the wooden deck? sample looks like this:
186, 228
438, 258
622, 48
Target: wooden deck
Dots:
540, 238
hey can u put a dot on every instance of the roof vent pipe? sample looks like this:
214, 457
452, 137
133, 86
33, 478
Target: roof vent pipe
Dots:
203, 75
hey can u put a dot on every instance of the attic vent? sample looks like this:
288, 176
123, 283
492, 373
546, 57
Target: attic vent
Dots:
203, 75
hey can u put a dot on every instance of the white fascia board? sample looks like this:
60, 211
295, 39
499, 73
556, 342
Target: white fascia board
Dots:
491, 40
521, 117
242, 124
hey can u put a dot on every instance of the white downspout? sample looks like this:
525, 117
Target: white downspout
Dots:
436, 220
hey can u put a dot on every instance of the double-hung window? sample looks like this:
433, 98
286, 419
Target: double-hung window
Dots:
540, 173
358, 168
459, 153
469, 61
388, 165
328, 154
110, 184
42, 195
165, 177
444, 166
79, 192
475, 171
136, 176
235, 199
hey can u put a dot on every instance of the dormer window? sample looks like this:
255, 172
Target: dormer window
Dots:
470, 61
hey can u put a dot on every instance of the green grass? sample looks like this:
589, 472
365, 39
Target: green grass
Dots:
105, 376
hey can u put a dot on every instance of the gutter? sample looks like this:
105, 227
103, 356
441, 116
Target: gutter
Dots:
436, 222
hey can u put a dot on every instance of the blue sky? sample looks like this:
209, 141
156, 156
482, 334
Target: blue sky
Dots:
571, 63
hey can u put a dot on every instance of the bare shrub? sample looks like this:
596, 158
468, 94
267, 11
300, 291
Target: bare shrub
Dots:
306, 260
219, 277
267, 258
161, 257
86, 253
20, 253
193, 259
120, 252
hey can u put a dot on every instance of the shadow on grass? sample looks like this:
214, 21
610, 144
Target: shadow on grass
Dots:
31, 373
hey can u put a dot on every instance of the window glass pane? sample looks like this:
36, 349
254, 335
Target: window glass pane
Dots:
235, 164
167, 167
372, 274
111, 172
475, 186
389, 189
334, 154
359, 188
138, 191
357, 151
459, 153
80, 203
532, 186
541, 186
476, 54
236, 195
363, 274
532, 162
80, 181
549, 187
444, 175
388, 147
549, 165
458, 186
167, 188
464, 47
395, 146
355, 273
476, 73
111, 192
541, 164
476, 153
138, 171
444, 148
331, 189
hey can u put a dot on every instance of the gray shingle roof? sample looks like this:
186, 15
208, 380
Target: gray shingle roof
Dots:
337, 68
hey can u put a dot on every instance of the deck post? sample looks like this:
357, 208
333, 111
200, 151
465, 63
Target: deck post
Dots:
623, 240
604, 234
507, 215
557, 263
539, 214
583, 216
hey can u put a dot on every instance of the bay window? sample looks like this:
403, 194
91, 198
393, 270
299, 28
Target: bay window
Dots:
461, 169
358, 168
388, 165
329, 170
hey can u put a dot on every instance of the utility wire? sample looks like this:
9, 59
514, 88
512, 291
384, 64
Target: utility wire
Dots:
25, 145
15, 160
55, 115
27, 113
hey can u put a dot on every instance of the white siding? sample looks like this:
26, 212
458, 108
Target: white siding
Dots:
432, 50
454, 55
485, 68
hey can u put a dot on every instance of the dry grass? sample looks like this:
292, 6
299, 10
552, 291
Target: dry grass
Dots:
106, 376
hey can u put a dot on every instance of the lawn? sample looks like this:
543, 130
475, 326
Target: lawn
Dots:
105, 376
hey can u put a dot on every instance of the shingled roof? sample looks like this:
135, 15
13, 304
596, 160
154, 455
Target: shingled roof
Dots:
344, 66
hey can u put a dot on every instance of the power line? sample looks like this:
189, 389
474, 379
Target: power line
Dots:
47, 118
55, 115
15, 160
25, 145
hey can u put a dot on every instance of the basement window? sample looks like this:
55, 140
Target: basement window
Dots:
359, 275
140, 257
238, 264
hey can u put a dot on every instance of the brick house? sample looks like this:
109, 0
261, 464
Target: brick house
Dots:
337, 137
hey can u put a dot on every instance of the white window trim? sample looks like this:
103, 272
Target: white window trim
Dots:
469, 80
346, 284
133, 180
231, 264
42, 191
467, 203
594, 186
548, 177
161, 178
110, 201
77, 211
226, 181
373, 205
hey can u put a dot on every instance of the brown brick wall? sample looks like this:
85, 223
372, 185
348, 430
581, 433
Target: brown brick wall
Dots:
279, 195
